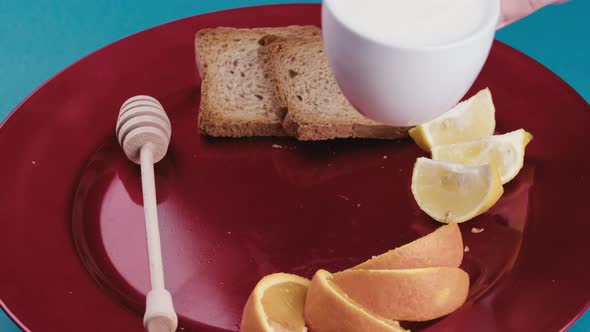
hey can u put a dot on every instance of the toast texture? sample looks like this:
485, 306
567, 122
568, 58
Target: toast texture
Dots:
305, 86
237, 98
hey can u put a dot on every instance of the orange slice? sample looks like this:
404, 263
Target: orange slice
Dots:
328, 309
443, 247
408, 295
276, 305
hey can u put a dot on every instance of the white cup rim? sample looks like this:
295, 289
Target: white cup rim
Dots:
482, 31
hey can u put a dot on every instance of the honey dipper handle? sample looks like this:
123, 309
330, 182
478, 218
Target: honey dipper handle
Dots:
159, 315
150, 209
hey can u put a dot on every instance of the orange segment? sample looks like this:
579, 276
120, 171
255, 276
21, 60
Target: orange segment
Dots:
328, 309
276, 305
415, 282
443, 247
409, 295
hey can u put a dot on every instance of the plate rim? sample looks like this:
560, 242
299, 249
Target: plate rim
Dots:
23, 102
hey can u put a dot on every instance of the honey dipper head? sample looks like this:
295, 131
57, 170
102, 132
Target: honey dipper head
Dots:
142, 120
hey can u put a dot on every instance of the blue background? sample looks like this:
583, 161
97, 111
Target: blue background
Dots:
39, 38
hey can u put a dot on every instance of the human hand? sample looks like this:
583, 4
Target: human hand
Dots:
514, 10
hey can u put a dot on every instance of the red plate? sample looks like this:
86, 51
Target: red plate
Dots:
72, 236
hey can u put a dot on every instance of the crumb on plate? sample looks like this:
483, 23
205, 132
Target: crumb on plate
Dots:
344, 197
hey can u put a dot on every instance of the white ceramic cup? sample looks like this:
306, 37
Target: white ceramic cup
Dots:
404, 86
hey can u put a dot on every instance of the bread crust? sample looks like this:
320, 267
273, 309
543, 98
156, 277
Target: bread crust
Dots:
316, 108
237, 99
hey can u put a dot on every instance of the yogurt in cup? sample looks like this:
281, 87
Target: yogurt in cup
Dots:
405, 62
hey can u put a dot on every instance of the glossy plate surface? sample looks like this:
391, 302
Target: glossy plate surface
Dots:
232, 211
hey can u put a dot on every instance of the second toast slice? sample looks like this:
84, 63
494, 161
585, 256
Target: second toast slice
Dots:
317, 109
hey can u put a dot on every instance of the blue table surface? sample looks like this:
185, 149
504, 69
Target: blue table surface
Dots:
37, 39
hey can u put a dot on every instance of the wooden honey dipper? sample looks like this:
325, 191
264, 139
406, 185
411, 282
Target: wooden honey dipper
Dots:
143, 130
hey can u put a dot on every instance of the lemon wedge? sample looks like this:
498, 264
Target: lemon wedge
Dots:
505, 151
452, 192
469, 120
276, 305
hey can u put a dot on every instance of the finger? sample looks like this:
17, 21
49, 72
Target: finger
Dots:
538, 4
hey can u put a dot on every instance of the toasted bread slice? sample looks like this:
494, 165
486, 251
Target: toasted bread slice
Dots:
317, 109
237, 99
